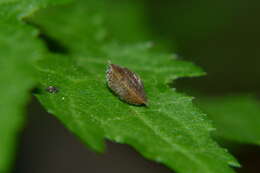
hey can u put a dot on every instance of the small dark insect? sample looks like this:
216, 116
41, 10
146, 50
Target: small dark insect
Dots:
52, 89
126, 84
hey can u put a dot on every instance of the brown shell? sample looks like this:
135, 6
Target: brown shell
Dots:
126, 84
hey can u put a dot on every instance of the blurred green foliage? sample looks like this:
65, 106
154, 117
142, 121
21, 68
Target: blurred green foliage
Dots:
235, 117
16, 78
222, 36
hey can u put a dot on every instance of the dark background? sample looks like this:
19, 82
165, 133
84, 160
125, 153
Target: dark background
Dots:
221, 36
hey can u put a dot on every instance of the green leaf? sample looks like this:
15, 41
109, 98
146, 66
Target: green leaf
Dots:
170, 130
19, 9
19, 49
235, 117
